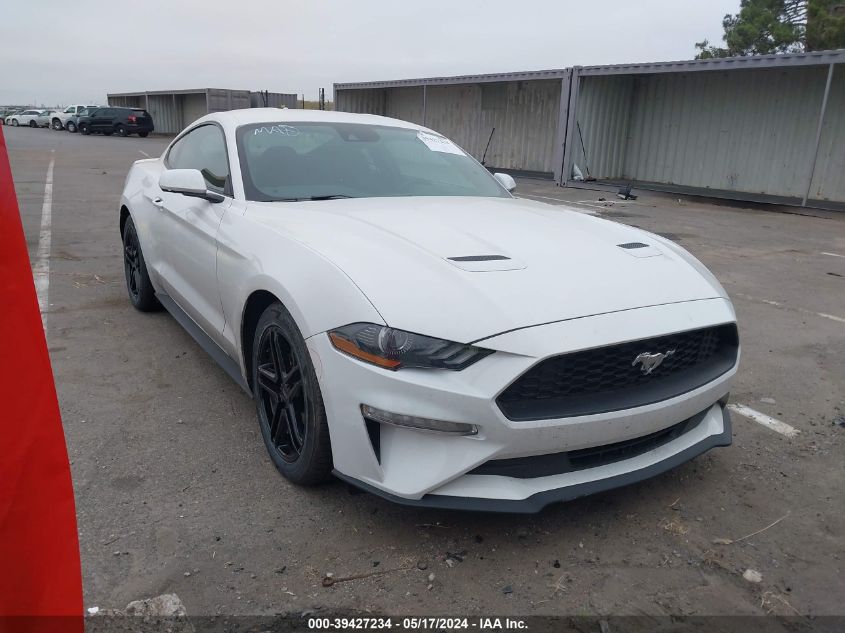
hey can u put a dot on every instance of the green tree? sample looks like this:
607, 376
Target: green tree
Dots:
764, 27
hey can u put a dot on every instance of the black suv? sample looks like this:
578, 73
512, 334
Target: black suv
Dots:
120, 121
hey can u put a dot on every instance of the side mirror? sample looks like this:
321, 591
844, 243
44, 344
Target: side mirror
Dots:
188, 182
506, 181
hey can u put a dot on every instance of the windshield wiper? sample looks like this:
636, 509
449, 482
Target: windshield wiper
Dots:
334, 196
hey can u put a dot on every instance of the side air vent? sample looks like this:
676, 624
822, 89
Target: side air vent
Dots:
630, 245
479, 258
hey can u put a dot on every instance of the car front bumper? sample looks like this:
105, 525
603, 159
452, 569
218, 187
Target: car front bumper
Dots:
433, 469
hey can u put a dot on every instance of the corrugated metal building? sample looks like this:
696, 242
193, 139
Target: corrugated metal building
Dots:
524, 108
174, 110
768, 128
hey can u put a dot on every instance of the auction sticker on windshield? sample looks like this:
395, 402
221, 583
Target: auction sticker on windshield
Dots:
439, 143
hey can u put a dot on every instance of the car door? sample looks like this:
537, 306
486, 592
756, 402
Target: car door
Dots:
102, 122
187, 228
27, 116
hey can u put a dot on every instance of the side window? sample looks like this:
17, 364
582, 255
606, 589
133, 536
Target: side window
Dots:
96, 112
70, 110
203, 148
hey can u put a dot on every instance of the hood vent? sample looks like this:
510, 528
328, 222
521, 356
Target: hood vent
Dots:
630, 245
479, 258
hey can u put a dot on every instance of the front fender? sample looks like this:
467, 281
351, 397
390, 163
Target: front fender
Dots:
252, 258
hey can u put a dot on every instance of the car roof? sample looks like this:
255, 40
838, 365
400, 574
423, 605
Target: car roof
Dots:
236, 118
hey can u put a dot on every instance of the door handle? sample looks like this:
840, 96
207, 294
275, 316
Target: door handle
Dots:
158, 201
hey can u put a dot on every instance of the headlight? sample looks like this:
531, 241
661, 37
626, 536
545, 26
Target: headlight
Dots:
396, 349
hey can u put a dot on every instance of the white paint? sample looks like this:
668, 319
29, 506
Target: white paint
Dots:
832, 317
533, 195
777, 304
41, 269
833, 254
766, 420
140, 151
566, 202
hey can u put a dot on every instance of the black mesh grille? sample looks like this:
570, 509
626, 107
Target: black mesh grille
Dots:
609, 378
584, 458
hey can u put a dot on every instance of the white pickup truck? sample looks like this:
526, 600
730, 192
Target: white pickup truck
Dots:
62, 118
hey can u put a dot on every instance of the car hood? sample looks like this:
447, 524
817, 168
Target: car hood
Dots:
550, 263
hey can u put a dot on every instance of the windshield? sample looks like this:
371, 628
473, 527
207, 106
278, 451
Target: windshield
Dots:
341, 160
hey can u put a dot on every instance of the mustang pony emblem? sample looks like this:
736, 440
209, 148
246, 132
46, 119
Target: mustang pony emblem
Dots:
649, 362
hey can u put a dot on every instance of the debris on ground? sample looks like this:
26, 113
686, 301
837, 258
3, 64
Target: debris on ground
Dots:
675, 526
624, 193
93, 610
768, 400
455, 557
422, 565
727, 541
752, 575
840, 421
431, 577
507, 589
329, 579
165, 605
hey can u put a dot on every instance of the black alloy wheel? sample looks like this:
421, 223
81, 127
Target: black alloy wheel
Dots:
288, 399
132, 265
138, 284
281, 394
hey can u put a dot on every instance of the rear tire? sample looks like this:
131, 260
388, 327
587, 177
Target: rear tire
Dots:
70, 126
57, 124
287, 396
15, 123
142, 295
33, 124
143, 134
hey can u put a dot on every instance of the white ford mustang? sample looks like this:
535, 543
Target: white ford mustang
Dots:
403, 321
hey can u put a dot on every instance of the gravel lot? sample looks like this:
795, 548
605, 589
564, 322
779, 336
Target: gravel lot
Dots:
175, 492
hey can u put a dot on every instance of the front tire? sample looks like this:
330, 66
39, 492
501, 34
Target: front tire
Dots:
57, 124
33, 124
287, 396
141, 292
15, 123
121, 131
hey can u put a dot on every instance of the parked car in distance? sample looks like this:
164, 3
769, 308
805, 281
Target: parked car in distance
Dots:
7, 112
45, 119
27, 117
120, 121
62, 118
403, 321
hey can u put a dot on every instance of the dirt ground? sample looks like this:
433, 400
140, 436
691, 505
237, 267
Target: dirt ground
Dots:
175, 492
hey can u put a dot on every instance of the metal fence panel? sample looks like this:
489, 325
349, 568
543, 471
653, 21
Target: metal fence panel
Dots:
829, 178
746, 131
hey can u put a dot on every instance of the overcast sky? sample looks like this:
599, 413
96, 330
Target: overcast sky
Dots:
57, 52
